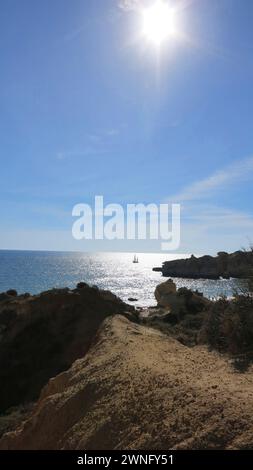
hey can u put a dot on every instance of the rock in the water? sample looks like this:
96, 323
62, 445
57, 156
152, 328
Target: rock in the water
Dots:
4, 296
12, 293
82, 285
9, 295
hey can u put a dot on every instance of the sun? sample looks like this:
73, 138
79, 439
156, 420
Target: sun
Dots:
158, 22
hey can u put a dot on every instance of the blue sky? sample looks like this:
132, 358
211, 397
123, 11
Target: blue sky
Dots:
87, 107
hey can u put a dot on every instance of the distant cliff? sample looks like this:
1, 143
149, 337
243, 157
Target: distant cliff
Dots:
237, 265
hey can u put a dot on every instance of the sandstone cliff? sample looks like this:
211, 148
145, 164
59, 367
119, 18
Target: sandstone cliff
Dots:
137, 388
42, 335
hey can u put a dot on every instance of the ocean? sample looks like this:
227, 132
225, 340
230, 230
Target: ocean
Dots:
34, 272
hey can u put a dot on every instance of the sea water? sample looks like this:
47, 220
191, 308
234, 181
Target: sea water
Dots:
34, 272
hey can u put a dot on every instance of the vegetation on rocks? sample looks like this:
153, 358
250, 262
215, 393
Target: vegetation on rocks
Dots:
42, 335
224, 265
228, 327
224, 325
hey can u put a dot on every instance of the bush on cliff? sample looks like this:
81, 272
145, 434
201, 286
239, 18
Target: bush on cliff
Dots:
228, 327
185, 317
42, 335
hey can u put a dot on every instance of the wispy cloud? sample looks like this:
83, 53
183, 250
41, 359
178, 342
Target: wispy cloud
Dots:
103, 134
89, 150
208, 227
95, 144
234, 173
218, 216
111, 132
74, 34
129, 5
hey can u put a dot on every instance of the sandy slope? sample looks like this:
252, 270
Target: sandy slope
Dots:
137, 388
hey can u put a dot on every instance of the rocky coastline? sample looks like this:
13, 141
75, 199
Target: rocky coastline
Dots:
225, 265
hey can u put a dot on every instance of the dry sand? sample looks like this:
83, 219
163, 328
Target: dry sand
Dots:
139, 389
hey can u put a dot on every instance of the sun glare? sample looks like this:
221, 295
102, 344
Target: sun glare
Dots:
158, 22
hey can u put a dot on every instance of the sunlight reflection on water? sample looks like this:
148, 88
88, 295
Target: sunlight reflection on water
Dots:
37, 271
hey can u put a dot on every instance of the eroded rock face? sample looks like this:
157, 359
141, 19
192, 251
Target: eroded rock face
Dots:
42, 335
236, 265
164, 293
137, 388
179, 302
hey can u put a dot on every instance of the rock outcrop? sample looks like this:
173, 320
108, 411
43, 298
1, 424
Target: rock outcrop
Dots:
179, 302
237, 265
42, 335
138, 388
165, 292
